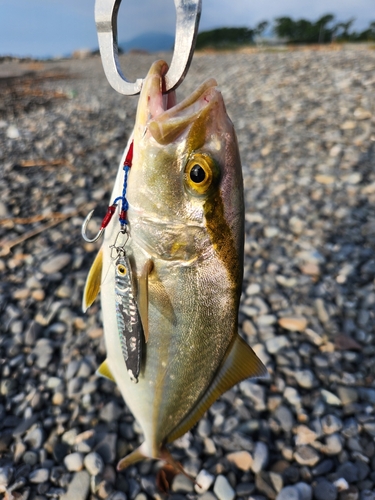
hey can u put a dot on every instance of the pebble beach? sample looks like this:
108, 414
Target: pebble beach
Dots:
305, 122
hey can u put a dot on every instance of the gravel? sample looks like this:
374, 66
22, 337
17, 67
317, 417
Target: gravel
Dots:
305, 121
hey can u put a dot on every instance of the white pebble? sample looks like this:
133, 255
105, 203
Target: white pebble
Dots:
12, 132
74, 462
222, 489
203, 481
260, 457
94, 463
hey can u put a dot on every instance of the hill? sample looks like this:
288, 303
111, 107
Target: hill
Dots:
151, 42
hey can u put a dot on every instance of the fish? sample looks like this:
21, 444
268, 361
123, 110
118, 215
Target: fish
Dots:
184, 250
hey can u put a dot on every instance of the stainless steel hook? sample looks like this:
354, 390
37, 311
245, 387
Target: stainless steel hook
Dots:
187, 20
84, 229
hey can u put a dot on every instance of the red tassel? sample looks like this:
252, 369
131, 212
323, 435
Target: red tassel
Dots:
108, 216
129, 157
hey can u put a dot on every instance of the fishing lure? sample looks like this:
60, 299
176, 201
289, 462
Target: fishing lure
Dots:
127, 315
128, 319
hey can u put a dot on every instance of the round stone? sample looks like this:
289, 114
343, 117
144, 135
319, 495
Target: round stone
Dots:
325, 490
285, 417
93, 463
6, 473
305, 378
253, 289
39, 476
182, 484
222, 489
30, 457
55, 264
305, 435
304, 490
288, 493
330, 398
203, 481
331, 424
241, 459
12, 132
305, 455
74, 462
275, 344
367, 495
260, 457
348, 471
34, 438
333, 444
293, 324
38, 295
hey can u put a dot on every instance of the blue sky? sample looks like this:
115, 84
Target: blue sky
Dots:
42, 28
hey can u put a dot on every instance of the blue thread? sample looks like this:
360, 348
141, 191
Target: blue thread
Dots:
125, 204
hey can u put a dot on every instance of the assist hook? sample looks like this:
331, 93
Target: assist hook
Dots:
187, 20
84, 229
106, 219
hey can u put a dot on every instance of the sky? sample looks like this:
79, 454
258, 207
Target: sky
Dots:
44, 28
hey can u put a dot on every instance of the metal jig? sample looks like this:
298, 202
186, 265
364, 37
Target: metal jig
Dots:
187, 20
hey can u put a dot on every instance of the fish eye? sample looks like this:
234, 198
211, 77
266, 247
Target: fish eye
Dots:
121, 269
200, 172
197, 174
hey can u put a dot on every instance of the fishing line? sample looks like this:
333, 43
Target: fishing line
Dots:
123, 214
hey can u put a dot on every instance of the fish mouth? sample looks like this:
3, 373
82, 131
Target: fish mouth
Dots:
158, 112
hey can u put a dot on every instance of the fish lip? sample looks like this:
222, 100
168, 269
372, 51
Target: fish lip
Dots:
158, 112
205, 91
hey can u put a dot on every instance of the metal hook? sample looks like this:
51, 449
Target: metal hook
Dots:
187, 20
84, 227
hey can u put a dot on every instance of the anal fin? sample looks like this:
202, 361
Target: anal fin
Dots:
105, 372
240, 363
93, 281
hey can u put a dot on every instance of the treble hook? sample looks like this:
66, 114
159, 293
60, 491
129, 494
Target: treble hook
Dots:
187, 20
84, 228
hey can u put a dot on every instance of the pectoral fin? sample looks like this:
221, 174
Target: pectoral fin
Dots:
105, 372
143, 296
159, 297
93, 281
240, 363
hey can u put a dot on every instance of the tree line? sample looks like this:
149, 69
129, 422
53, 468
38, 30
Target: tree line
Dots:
300, 31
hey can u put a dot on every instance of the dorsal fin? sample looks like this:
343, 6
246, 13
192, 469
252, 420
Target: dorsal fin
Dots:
240, 363
93, 281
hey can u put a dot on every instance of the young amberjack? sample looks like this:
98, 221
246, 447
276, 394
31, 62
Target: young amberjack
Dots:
185, 250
